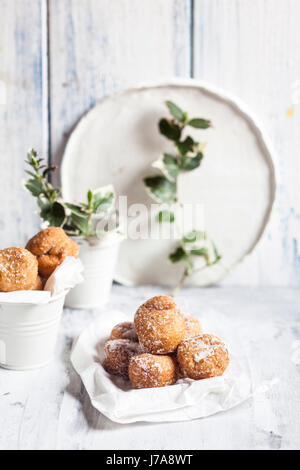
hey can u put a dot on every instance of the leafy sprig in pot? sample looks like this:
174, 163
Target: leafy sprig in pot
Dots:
77, 219
51, 207
85, 217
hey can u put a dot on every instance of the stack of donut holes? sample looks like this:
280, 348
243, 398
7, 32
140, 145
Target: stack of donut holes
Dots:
29, 268
162, 346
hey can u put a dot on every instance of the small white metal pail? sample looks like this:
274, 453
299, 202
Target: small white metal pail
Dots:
99, 259
28, 333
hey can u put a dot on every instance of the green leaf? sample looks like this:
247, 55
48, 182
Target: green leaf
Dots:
52, 193
49, 169
161, 189
186, 146
76, 209
200, 252
199, 123
34, 186
90, 197
194, 236
56, 215
170, 166
81, 223
43, 203
190, 163
30, 173
169, 129
178, 255
32, 152
165, 216
31, 156
218, 256
103, 202
169, 159
176, 112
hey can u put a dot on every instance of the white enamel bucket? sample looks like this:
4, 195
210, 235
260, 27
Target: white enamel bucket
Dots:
28, 333
99, 259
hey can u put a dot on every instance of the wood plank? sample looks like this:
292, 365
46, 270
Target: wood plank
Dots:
99, 47
20, 114
249, 48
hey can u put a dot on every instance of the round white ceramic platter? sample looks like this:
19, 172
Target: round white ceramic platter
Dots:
118, 140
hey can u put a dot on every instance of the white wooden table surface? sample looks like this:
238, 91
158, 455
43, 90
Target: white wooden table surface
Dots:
50, 409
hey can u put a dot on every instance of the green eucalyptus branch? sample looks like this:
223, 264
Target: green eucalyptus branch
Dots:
189, 155
196, 244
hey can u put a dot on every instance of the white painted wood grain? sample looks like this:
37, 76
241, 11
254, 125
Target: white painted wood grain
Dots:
248, 47
50, 409
100, 46
20, 113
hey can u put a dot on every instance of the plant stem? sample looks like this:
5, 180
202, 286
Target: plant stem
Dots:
180, 283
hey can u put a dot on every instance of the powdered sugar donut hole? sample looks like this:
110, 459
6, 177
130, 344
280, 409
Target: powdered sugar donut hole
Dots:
159, 325
118, 353
148, 370
192, 326
124, 330
202, 357
18, 270
51, 246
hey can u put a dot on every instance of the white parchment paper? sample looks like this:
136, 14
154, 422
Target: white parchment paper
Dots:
65, 276
186, 400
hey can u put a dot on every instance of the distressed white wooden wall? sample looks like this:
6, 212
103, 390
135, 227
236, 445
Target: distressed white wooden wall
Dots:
64, 56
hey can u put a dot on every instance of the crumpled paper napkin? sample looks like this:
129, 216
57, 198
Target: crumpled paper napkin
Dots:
186, 400
65, 276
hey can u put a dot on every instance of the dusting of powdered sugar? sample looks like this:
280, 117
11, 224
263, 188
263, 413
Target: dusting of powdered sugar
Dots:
201, 355
146, 368
118, 353
147, 363
155, 320
190, 320
204, 347
124, 330
120, 345
12, 265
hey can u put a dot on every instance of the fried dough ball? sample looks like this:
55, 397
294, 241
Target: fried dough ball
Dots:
202, 357
118, 353
124, 330
192, 326
51, 246
38, 285
18, 269
159, 325
177, 367
148, 370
